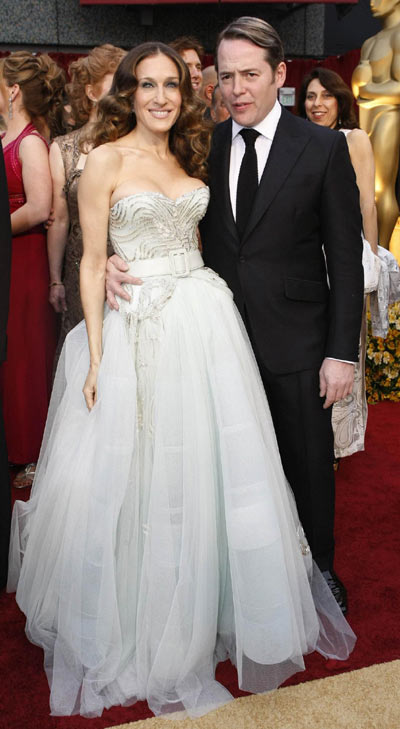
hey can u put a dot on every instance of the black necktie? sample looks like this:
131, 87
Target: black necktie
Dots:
247, 181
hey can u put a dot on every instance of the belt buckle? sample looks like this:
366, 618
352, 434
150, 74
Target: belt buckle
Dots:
177, 257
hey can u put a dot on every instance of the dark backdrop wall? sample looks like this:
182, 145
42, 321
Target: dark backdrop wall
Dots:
348, 26
66, 25
315, 30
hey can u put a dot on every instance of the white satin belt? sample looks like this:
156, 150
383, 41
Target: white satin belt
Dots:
179, 262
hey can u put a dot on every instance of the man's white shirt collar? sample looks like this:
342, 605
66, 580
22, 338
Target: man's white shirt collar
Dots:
266, 127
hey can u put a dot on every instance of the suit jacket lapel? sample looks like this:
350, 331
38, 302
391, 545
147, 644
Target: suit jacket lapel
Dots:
220, 177
288, 143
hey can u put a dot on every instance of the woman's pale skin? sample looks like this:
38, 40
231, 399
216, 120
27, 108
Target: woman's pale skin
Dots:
322, 108
141, 161
57, 234
34, 160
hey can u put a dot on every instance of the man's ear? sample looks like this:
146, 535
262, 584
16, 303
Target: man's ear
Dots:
280, 74
208, 91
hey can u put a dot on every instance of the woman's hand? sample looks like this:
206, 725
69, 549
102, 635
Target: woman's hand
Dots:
57, 298
90, 387
50, 220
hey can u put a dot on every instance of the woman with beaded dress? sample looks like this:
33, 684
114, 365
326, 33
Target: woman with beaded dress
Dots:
161, 536
31, 89
91, 78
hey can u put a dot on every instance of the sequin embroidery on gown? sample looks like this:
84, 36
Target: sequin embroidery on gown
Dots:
161, 536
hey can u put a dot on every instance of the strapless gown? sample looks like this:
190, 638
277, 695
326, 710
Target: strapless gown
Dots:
161, 536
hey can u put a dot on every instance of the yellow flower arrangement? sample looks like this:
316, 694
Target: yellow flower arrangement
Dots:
382, 366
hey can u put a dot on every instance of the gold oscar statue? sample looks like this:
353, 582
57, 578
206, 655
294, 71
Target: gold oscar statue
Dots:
376, 87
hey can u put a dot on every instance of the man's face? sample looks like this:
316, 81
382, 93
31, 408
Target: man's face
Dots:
192, 60
248, 84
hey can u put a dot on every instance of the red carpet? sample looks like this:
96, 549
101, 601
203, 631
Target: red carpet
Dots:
368, 547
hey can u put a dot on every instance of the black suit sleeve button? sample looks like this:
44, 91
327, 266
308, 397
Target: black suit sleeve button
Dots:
242, 259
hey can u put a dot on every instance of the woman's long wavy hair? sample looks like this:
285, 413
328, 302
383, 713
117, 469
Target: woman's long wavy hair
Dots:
41, 83
90, 69
332, 82
189, 138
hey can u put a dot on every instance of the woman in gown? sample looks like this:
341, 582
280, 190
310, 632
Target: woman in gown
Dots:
31, 90
91, 78
161, 536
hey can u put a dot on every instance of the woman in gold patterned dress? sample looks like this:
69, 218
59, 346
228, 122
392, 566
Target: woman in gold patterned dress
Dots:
91, 79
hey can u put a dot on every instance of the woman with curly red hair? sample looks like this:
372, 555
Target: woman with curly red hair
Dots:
31, 100
161, 537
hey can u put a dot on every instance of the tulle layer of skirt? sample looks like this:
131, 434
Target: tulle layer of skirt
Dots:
161, 536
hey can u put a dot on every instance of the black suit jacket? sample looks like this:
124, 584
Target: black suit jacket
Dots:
307, 203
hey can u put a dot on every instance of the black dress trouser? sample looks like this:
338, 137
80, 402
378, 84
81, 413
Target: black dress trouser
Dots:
305, 439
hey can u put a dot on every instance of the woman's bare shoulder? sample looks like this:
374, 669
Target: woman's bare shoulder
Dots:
360, 150
105, 152
105, 158
33, 142
359, 138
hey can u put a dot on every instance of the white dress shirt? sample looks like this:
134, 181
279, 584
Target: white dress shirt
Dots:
267, 128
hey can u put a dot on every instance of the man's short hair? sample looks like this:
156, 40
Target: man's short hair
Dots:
187, 43
256, 31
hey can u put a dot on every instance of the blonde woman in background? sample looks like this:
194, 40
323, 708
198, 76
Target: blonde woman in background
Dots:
31, 89
91, 78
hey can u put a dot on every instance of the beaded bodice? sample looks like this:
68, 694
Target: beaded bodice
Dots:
149, 224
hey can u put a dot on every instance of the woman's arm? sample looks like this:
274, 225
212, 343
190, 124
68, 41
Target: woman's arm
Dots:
57, 233
36, 180
362, 159
94, 192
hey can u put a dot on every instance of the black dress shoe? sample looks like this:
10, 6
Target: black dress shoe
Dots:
337, 589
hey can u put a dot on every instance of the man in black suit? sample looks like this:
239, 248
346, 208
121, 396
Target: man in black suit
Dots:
5, 262
274, 239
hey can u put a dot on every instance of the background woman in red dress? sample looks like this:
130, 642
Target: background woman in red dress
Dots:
31, 89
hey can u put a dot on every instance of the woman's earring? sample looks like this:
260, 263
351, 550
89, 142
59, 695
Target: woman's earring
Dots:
10, 109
